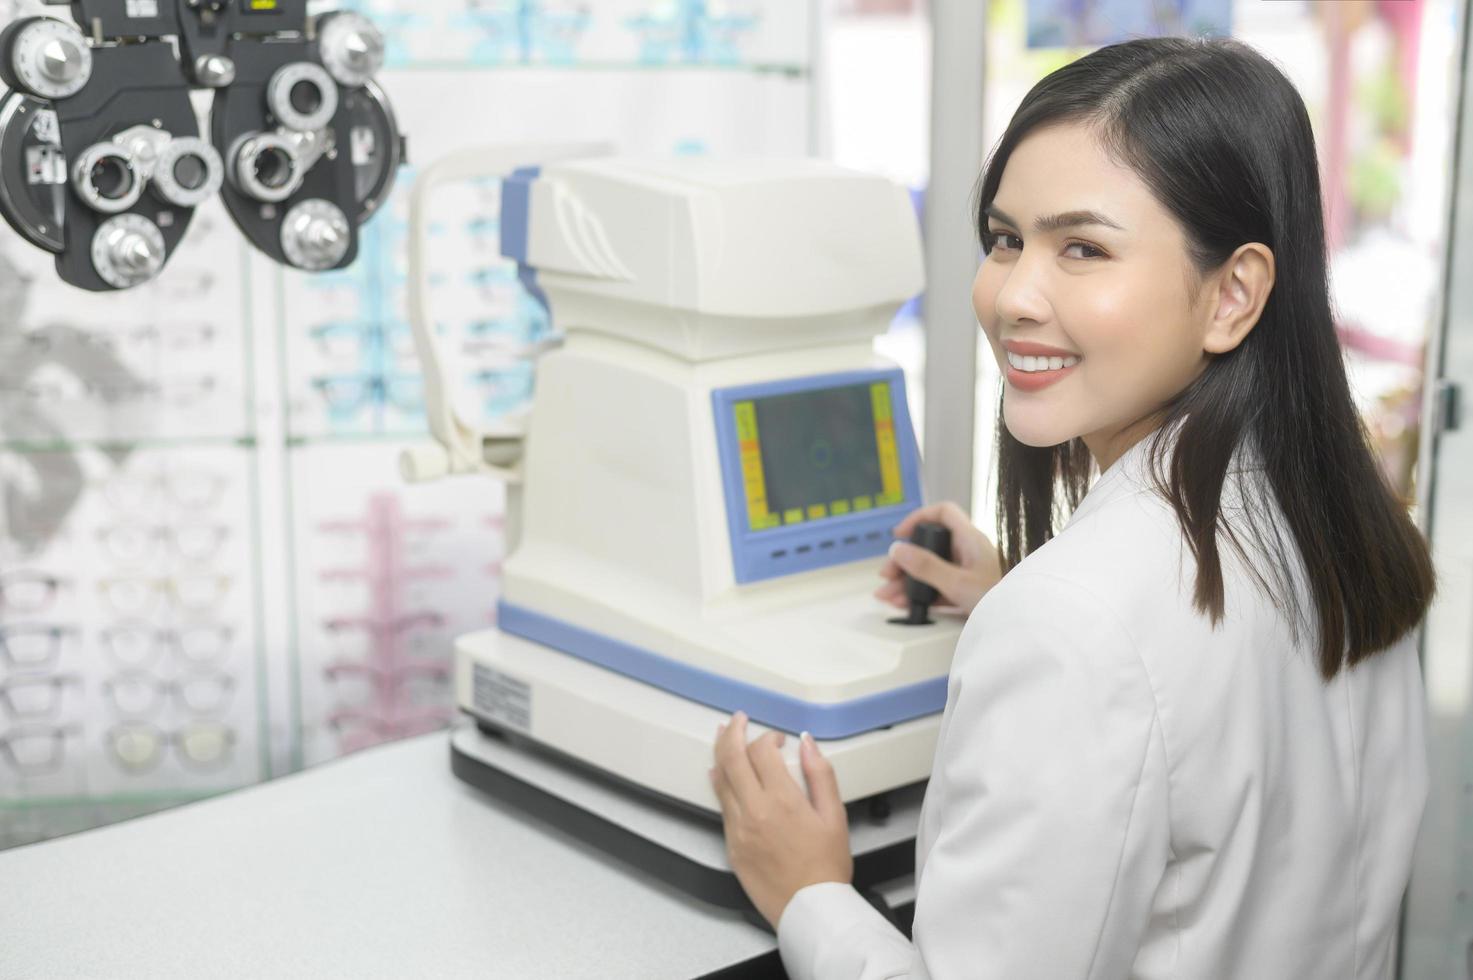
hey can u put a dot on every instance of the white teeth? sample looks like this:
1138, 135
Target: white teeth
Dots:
1030, 363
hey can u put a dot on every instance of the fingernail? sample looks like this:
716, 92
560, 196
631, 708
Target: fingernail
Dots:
720, 728
739, 718
894, 547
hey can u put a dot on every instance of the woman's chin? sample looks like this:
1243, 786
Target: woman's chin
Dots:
1038, 436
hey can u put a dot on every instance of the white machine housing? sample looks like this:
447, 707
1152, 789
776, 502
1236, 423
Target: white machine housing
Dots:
673, 281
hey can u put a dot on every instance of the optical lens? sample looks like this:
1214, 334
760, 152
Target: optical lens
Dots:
191, 172
306, 97
30, 646
205, 744
112, 178
204, 644
135, 746
273, 168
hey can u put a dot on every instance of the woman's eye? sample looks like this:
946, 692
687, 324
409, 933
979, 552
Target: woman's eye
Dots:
1008, 242
1003, 240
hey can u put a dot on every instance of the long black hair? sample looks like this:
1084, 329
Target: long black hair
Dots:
1222, 139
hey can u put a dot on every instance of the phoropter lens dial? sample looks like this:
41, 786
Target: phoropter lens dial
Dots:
188, 172
302, 96
127, 250
315, 235
46, 57
105, 176
352, 47
265, 166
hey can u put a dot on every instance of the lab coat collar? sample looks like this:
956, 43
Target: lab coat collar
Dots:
1131, 473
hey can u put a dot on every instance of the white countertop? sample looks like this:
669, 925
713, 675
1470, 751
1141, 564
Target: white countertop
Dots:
382, 864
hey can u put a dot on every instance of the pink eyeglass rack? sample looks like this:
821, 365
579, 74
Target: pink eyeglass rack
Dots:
389, 713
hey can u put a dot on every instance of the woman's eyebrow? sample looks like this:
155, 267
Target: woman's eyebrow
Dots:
1058, 222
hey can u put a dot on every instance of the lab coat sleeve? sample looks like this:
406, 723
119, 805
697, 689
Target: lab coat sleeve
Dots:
1046, 814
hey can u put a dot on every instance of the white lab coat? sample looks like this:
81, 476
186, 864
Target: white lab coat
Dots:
1121, 791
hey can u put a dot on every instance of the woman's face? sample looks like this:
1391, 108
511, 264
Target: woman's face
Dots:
1087, 263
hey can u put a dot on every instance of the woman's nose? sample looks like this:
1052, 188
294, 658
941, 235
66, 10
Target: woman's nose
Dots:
1023, 295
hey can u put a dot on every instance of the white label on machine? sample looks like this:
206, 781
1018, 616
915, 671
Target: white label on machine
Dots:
501, 697
45, 165
143, 8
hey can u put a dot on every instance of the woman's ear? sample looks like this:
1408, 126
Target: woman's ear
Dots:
1242, 287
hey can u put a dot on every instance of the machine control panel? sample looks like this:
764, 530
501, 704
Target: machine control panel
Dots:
816, 470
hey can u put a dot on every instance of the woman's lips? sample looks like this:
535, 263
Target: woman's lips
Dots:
1035, 380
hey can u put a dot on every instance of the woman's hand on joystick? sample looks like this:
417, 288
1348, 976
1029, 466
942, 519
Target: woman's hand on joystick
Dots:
976, 566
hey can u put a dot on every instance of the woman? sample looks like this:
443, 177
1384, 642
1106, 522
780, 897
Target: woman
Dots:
1184, 734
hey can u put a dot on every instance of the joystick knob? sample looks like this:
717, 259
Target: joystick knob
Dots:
934, 538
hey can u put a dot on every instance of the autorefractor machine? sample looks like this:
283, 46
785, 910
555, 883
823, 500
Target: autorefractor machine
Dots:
700, 498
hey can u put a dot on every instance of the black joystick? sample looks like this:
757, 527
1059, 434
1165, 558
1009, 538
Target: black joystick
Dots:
936, 538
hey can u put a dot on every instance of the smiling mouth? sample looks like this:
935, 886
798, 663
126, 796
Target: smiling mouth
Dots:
1030, 364
1041, 376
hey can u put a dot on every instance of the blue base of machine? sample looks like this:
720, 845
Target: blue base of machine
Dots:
823, 720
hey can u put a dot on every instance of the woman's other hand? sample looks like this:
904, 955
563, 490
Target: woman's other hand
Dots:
779, 839
962, 583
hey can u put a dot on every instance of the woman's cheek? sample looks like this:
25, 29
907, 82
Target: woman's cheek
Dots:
984, 305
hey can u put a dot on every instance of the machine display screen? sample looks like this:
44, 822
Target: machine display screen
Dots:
808, 455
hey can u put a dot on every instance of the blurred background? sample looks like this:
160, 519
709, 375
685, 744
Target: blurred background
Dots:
211, 573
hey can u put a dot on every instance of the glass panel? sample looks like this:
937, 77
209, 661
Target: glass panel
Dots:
879, 122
